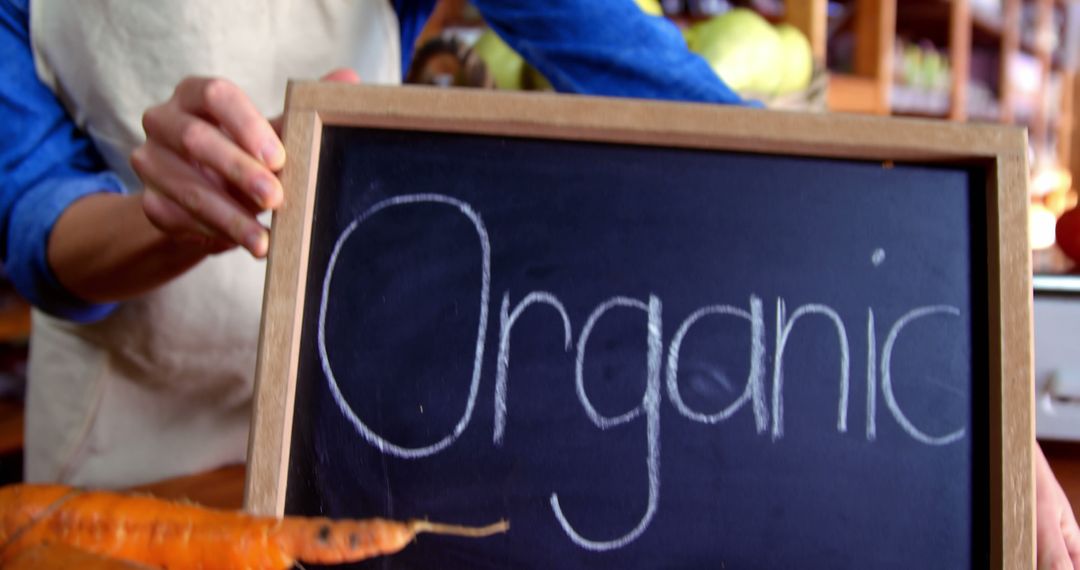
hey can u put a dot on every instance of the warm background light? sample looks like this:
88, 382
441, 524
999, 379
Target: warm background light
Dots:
1041, 222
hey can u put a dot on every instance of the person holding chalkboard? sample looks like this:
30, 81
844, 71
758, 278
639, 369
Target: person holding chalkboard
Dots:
147, 304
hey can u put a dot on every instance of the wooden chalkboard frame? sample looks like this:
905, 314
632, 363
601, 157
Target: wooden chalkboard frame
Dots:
1002, 151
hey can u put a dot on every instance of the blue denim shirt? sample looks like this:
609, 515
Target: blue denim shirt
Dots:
598, 47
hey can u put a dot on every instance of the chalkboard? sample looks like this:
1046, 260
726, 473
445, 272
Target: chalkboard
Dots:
646, 355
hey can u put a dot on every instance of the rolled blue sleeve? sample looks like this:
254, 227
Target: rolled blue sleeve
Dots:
605, 47
47, 164
412, 15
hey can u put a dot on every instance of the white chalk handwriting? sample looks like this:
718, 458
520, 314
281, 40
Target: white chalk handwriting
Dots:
657, 359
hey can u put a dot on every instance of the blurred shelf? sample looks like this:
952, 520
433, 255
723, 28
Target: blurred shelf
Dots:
924, 20
1030, 47
915, 102
990, 115
852, 94
929, 20
987, 27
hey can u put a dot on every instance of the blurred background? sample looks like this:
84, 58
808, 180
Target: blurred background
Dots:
997, 61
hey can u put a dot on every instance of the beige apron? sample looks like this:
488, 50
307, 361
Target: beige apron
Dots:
163, 386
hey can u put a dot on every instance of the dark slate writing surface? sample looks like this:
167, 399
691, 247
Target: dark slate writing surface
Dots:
708, 261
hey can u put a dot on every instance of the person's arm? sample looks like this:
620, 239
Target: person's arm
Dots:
104, 249
73, 242
605, 47
47, 165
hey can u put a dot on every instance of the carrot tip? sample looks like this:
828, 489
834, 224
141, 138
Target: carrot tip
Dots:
428, 527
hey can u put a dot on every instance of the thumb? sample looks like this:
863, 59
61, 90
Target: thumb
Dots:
342, 75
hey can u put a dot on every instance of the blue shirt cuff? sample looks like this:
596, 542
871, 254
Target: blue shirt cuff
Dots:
32, 220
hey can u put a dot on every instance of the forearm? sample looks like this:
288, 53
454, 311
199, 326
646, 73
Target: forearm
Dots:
605, 48
104, 249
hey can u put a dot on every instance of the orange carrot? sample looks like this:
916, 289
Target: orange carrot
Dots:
164, 534
60, 557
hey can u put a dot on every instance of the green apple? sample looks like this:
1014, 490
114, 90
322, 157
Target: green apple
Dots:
798, 60
912, 64
743, 49
504, 64
935, 69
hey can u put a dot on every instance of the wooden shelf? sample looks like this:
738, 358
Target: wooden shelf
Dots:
929, 19
924, 20
852, 94
913, 102
987, 28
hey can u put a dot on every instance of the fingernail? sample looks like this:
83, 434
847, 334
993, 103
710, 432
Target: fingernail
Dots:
265, 193
273, 154
257, 243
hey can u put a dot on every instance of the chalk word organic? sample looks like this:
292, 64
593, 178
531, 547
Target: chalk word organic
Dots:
657, 366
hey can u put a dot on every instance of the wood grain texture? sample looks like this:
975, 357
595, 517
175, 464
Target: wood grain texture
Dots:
651, 123
1012, 402
279, 342
1001, 150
